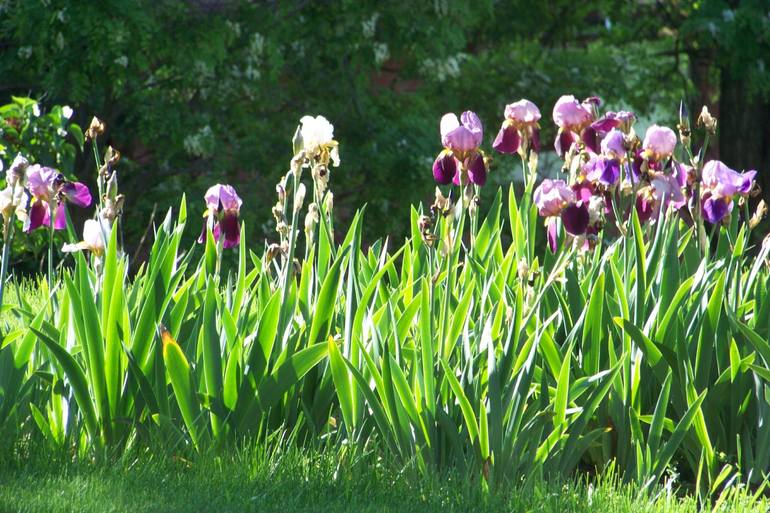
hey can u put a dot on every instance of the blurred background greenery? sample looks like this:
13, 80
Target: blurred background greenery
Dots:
199, 91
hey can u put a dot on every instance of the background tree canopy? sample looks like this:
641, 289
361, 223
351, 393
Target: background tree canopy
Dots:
199, 91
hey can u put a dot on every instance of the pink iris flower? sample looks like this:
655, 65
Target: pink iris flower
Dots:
223, 207
50, 190
521, 123
461, 139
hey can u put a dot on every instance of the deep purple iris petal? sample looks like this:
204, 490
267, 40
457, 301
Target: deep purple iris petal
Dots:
715, 209
444, 168
477, 169
230, 228
591, 139
610, 172
564, 141
507, 140
636, 168
606, 124
536, 140
748, 182
37, 216
575, 218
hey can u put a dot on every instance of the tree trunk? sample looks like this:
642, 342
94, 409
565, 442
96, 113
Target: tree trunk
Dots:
744, 129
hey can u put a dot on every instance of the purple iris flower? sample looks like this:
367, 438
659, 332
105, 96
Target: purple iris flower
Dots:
603, 170
571, 117
461, 160
720, 185
521, 123
614, 144
463, 135
664, 191
724, 182
594, 133
659, 142
49, 189
552, 196
223, 207
668, 191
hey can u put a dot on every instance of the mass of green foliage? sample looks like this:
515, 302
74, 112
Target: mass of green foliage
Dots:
464, 348
442, 340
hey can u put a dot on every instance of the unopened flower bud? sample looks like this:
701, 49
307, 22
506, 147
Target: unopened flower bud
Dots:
296, 141
95, 129
299, 197
684, 115
329, 203
113, 207
311, 220
707, 120
424, 223
522, 269
759, 214
112, 186
111, 157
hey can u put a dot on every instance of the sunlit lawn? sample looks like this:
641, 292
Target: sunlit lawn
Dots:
328, 481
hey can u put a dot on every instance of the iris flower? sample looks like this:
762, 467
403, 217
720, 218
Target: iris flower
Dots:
571, 117
50, 190
461, 161
95, 234
318, 140
520, 128
554, 198
659, 143
223, 207
720, 185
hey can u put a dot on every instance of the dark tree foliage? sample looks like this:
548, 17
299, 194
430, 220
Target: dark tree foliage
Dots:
199, 91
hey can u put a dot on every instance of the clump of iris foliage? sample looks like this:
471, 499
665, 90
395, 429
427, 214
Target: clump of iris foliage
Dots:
616, 318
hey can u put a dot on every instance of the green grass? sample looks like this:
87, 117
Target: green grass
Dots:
293, 481
32, 291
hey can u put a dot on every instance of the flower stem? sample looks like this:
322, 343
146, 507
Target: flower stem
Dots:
6, 255
220, 250
99, 178
51, 233
286, 314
